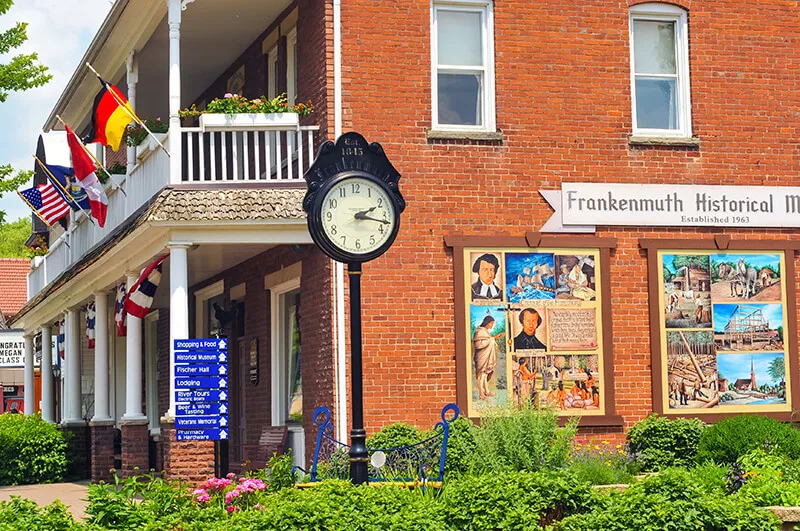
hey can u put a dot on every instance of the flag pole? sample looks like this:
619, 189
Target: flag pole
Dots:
57, 183
94, 158
34, 210
127, 110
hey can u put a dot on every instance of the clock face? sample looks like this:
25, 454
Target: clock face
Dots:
358, 215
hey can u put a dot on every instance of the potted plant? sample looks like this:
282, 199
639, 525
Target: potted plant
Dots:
136, 135
236, 113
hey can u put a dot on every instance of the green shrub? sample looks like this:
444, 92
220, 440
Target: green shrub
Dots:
728, 440
19, 513
513, 501
460, 447
671, 500
394, 436
769, 479
514, 439
31, 450
658, 442
279, 472
711, 477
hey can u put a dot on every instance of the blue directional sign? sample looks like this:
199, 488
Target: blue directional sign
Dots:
212, 434
218, 369
201, 408
200, 357
201, 382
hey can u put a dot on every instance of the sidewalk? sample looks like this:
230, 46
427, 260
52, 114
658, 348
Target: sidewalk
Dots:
72, 495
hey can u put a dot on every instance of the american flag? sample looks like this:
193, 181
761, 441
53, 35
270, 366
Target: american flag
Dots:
46, 202
90, 321
119, 312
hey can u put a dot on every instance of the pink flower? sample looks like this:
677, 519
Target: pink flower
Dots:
202, 499
230, 496
230, 509
230, 475
228, 95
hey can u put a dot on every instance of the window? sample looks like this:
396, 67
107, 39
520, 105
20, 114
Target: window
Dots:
660, 71
463, 65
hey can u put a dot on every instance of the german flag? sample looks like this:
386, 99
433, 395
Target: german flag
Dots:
110, 116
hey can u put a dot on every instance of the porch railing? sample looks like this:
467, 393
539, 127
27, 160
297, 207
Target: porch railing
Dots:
230, 157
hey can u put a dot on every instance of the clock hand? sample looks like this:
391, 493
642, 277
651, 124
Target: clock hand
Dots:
363, 214
385, 222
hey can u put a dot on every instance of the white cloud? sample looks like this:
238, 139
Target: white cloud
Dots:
60, 31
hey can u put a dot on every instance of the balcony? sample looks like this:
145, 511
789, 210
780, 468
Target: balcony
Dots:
234, 158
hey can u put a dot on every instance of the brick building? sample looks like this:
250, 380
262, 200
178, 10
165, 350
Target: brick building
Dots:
485, 108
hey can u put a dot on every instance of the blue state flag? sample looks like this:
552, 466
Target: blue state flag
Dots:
63, 180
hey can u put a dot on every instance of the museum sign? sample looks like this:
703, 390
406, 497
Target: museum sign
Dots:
664, 205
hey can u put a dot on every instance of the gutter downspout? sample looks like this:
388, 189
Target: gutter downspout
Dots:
341, 351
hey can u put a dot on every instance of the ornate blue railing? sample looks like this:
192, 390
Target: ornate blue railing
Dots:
421, 462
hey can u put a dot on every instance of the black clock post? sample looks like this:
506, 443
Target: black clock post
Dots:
352, 160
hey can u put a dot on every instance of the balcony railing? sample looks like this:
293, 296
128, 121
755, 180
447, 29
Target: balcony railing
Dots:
218, 157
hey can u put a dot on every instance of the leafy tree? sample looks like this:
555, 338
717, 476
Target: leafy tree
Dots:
668, 275
681, 260
777, 369
20, 73
12, 239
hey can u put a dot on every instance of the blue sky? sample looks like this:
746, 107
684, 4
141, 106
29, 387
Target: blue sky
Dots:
772, 313
60, 32
734, 366
755, 260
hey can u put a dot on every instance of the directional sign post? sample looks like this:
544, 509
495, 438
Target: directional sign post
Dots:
201, 389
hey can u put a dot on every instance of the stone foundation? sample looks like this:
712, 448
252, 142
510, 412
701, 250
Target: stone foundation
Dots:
102, 450
78, 450
135, 448
191, 461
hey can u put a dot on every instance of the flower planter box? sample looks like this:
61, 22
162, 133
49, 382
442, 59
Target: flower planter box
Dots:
250, 122
149, 145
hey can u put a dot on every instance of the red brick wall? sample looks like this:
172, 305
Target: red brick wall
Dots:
315, 308
564, 107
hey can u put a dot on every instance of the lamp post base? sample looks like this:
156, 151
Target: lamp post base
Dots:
359, 457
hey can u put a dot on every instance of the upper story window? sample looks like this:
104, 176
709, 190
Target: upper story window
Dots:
463, 65
660, 71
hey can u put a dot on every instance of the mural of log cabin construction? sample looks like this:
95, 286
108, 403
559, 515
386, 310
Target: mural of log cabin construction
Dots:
687, 291
746, 277
752, 378
749, 327
692, 370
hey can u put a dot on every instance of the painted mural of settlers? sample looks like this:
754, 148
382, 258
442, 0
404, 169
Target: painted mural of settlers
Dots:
485, 268
752, 379
575, 277
524, 378
745, 277
687, 291
571, 382
529, 330
692, 376
488, 328
530, 276
749, 327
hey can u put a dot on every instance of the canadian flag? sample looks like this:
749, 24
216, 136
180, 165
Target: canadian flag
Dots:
85, 173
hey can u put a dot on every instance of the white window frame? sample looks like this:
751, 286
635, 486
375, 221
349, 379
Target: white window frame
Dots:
665, 13
278, 348
272, 71
200, 310
486, 9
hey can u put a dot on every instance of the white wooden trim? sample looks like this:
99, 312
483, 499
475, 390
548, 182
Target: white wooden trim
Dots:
272, 63
282, 276
238, 291
487, 70
666, 13
200, 296
291, 66
278, 363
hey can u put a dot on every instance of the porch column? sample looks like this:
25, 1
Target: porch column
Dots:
30, 395
132, 79
174, 10
101, 402
48, 404
178, 308
133, 363
72, 357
